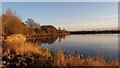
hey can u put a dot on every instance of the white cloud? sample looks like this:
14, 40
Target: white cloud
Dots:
107, 22
110, 17
90, 25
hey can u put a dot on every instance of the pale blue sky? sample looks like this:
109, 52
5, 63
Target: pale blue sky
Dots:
0, 8
60, 0
71, 16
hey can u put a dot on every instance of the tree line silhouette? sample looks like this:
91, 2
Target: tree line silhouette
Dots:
12, 24
96, 32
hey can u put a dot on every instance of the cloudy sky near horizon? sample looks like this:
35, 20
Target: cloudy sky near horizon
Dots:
68, 15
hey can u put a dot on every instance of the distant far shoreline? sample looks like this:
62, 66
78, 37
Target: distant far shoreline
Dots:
96, 32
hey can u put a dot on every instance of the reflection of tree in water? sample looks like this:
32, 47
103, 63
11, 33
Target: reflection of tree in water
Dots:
61, 37
46, 39
49, 39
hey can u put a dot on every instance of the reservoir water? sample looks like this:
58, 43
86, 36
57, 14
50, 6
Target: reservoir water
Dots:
87, 45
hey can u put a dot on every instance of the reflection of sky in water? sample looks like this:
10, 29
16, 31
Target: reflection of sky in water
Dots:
88, 45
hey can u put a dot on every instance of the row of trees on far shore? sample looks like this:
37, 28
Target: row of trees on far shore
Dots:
12, 24
96, 32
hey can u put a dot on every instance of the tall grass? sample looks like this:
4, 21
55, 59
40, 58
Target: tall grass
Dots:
46, 58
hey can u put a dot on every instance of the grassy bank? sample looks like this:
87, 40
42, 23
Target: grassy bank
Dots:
17, 52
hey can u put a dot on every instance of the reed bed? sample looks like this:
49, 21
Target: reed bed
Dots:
43, 57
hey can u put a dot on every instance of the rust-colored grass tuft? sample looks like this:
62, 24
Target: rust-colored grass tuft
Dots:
46, 58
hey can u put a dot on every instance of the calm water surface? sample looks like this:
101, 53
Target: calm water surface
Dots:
87, 45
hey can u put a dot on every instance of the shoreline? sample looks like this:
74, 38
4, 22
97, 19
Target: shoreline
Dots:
18, 53
96, 32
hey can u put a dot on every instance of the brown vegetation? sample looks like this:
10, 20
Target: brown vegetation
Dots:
43, 57
16, 52
12, 24
49, 29
0, 25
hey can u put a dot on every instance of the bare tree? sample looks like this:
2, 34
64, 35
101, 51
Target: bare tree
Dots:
32, 24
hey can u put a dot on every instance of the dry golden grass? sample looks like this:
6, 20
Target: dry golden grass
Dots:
27, 48
58, 59
62, 60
